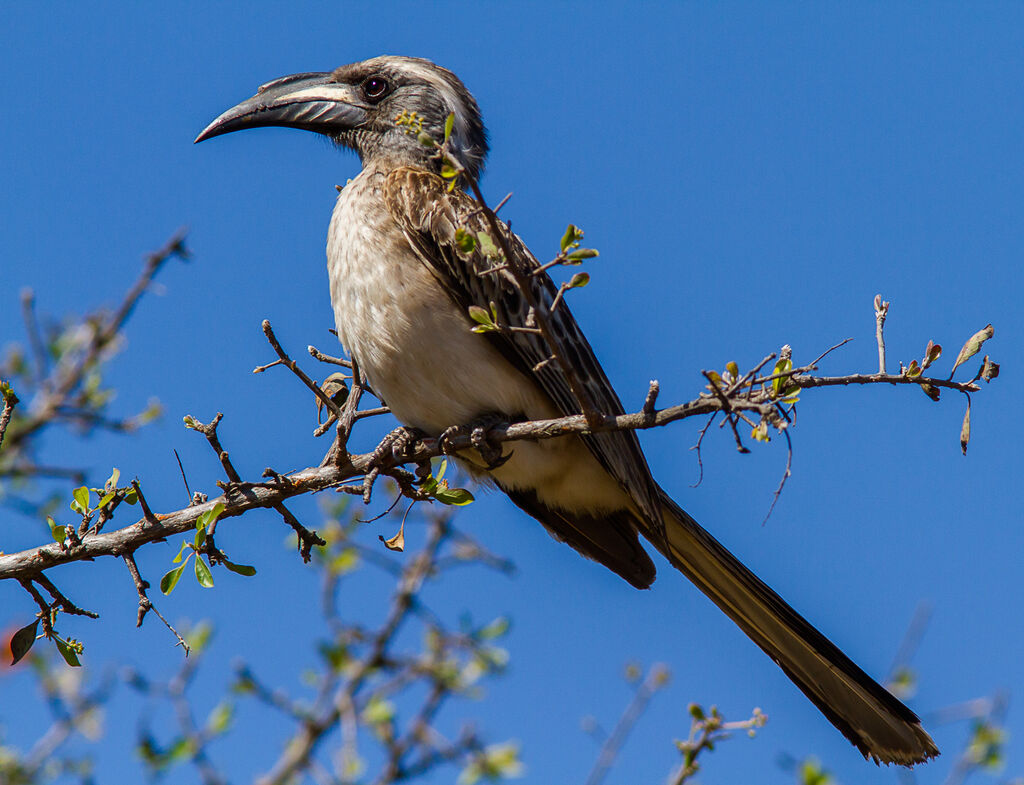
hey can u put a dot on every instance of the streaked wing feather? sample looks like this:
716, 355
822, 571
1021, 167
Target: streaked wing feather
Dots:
429, 216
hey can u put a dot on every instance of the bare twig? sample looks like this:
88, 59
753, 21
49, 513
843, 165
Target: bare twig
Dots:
706, 730
657, 677
785, 476
104, 330
35, 338
326, 358
881, 311
697, 447
65, 604
145, 604
651, 399
294, 368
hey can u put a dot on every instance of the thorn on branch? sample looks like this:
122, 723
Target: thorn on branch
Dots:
210, 432
181, 467
145, 604
306, 538
65, 604
147, 513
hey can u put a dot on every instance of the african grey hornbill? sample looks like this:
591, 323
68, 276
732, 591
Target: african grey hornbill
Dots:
401, 287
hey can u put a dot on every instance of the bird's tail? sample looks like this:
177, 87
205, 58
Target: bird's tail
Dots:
878, 724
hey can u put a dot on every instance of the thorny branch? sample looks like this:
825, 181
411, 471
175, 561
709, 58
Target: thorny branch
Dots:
754, 394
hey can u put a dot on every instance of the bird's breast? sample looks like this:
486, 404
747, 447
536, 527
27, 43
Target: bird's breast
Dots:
412, 342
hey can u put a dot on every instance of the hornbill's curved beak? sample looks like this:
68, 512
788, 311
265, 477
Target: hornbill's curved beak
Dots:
312, 102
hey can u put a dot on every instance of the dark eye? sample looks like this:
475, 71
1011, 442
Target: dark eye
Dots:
375, 88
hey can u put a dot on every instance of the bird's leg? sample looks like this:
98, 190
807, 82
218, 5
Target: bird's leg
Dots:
477, 431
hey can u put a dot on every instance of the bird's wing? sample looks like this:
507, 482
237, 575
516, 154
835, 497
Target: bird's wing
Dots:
430, 217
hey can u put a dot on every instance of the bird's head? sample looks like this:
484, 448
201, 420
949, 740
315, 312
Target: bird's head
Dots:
358, 106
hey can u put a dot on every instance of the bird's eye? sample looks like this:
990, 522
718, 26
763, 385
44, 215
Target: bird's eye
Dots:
375, 88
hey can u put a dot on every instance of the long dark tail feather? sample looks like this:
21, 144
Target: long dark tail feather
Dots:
878, 724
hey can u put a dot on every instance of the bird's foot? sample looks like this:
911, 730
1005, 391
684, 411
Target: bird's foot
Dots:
477, 431
397, 444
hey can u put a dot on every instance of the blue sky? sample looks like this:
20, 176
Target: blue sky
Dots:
752, 174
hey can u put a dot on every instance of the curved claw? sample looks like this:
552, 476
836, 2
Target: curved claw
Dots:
397, 443
492, 454
448, 436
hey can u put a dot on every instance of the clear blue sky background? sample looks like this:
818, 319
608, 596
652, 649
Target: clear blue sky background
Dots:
752, 173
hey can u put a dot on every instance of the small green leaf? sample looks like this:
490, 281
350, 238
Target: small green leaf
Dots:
458, 497
59, 533
107, 499
487, 245
572, 235
220, 718
200, 537
81, 502
582, 253
23, 640
190, 422
448, 172
782, 366
131, 497
67, 651
579, 280
464, 241
449, 124
480, 315
378, 710
495, 629
170, 579
111, 482
184, 545
429, 485
425, 139
180, 750
486, 323
203, 574
210, 515
240, 569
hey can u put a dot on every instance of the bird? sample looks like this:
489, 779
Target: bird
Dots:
403, 280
